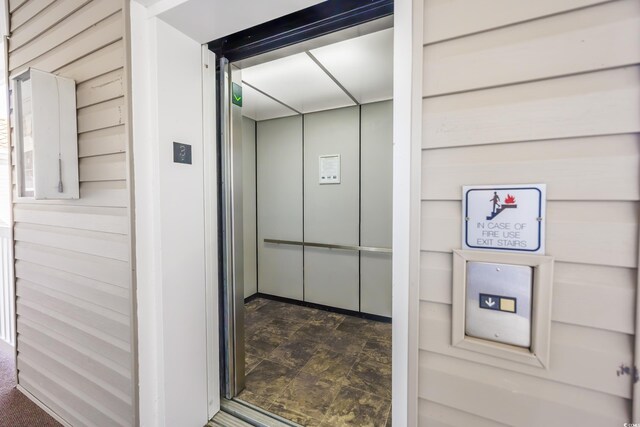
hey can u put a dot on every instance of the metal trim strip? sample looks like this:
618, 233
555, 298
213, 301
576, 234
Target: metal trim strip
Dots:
330, 246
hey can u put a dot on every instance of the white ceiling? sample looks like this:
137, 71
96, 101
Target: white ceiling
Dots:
363, 66
207, 20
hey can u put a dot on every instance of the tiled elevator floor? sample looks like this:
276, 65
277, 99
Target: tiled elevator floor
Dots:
317, 368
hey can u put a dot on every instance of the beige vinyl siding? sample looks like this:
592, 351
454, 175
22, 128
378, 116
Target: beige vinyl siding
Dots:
528, 92
73, 258
5, 188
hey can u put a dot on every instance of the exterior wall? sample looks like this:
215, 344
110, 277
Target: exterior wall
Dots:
406, 206
7, 318
178, 117
73, 258
527, 92
175, 258
5, 190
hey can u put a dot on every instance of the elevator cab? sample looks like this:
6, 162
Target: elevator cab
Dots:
305, 155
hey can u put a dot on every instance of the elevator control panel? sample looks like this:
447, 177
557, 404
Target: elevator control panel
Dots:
498, 302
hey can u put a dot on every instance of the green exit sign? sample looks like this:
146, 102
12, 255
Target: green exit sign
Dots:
236, 94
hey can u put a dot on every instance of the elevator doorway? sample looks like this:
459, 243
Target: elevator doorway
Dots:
306, 160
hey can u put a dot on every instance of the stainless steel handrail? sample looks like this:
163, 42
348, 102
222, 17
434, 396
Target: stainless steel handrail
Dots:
329, 246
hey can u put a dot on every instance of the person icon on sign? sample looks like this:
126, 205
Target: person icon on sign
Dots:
496, 202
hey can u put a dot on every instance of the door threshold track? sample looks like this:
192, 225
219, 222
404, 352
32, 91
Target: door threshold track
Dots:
222, 419
234, 413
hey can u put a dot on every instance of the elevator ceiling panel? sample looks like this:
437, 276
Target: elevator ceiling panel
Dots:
298, 82
363, 65
258, 106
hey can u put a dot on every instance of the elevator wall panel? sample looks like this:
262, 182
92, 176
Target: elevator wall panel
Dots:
331, 211
279, 189
375, 283
376, 206
249, 205
331, 277
377, 173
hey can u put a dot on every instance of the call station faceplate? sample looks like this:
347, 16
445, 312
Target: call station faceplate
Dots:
498, 302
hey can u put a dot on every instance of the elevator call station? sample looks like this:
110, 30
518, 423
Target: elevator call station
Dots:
498, 302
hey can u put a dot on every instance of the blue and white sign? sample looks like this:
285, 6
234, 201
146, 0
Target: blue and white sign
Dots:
504, 217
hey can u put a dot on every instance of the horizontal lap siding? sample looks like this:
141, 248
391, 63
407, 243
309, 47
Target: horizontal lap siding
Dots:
73, 260
568, 43
549, 92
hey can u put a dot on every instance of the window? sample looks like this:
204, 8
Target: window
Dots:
24, 136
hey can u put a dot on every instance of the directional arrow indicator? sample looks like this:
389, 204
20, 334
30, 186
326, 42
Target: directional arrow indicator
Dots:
498, 303
490, 302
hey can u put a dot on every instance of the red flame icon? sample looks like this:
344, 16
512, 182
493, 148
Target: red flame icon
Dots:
510, 199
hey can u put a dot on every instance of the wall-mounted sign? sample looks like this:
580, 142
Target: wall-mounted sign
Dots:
236, 94
329, 169
181, 153
504, 217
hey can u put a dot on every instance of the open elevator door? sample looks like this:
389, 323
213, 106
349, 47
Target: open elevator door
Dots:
232, 292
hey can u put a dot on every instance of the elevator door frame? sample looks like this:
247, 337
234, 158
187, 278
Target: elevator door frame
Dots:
323, 19
407, 134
